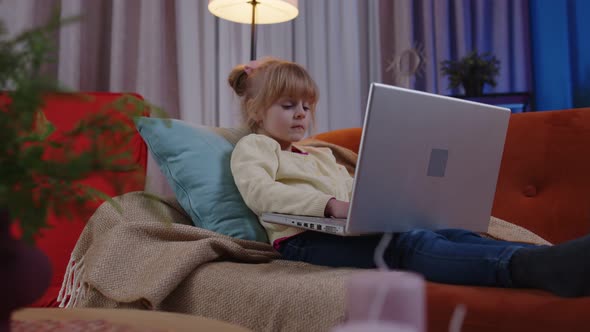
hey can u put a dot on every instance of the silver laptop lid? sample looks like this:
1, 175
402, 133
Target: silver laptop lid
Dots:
426, 161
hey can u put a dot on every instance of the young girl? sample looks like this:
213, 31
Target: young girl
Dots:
274, 175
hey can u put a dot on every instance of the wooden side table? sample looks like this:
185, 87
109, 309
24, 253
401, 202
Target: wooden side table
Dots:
136, 319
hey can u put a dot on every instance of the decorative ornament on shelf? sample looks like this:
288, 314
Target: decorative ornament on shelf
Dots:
407, 64
472, 72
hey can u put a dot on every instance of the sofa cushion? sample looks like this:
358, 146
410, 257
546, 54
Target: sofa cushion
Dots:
196, 163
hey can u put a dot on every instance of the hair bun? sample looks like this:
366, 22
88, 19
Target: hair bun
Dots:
237, 80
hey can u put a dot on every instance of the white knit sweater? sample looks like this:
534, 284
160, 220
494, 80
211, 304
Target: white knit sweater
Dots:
272, 180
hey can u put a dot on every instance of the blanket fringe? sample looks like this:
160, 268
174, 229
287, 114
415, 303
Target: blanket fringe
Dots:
73, 289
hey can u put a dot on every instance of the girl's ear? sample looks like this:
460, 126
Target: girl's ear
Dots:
259, 117
256, 117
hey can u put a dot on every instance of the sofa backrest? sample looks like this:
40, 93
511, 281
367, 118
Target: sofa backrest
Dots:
64, 111
544, 177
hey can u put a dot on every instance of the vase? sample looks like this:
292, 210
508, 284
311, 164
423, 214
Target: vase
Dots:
25, 272
473, 87
374, 326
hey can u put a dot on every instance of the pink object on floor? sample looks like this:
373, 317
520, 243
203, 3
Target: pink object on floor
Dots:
375, 326
380, 297
75, 325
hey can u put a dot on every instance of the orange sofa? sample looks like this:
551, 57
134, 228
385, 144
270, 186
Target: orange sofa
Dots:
544, 186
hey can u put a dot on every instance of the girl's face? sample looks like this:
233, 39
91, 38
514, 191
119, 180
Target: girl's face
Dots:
287, 121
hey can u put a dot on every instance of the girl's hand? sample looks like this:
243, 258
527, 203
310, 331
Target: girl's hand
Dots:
336, 208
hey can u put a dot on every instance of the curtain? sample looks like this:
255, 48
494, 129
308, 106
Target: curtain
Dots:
333, 39
440, 30
561, 53
178, 55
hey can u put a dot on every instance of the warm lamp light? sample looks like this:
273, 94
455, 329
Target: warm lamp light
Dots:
254, 12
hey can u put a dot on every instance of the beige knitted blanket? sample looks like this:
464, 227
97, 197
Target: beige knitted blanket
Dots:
135, 260
150, 257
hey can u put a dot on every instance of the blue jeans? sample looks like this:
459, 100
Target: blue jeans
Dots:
451, 256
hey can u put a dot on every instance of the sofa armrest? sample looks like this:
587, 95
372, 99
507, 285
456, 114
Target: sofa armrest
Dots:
349, 138
64, 111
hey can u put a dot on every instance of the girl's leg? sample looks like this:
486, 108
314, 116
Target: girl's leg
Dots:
426, 252
465, 236
476, 262
331, 250
563, 269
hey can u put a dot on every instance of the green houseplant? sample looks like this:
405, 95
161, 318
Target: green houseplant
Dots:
472, 71
32, 184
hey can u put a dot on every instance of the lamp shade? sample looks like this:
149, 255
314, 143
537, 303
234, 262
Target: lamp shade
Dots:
267, 11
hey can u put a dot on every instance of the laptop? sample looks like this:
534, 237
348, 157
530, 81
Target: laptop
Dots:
425, 161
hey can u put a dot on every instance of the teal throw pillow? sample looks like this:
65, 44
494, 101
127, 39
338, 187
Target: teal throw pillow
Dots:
196, 162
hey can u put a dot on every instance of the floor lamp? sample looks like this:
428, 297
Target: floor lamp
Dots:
254, 12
